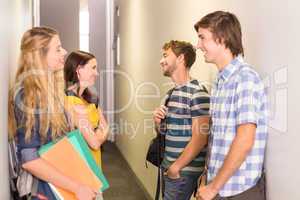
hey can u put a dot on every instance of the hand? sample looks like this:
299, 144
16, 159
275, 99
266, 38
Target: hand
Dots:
80, 110
85, 193
159, 114
102, 122
206, 193
173, 172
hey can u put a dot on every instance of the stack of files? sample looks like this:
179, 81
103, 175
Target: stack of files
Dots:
72, 157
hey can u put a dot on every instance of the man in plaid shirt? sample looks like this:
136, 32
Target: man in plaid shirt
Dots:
238, 112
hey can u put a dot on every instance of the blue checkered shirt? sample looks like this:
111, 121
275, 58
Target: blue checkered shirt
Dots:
238, 97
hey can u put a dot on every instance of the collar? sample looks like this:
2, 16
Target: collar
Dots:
231, 68
190, 81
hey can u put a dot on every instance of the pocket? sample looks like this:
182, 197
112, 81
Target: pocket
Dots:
174, 180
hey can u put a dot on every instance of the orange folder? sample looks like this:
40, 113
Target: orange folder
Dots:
67, 160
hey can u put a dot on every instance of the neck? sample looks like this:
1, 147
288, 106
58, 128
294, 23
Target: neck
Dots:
75, 89
81, 89
224, 60
181, 77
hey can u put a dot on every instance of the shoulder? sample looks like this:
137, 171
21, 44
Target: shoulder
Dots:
248, 74
247, 79
198, 89
18, 97
72, 99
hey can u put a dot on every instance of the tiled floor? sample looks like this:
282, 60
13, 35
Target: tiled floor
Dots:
122, 184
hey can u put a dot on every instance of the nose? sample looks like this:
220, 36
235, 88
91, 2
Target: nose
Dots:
199, 44
161, 62
64, 51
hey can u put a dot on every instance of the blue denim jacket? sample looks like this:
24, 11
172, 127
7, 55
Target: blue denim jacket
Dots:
28, 151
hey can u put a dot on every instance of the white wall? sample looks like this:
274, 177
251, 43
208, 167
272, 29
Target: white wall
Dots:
271, 40
15, 18
4, 7
101, 45
97, 10
64, 17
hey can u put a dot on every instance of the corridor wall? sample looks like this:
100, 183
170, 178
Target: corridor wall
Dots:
15, 18
64, 17
271, 40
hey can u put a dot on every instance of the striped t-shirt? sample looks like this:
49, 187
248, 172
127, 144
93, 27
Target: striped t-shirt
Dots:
186, 102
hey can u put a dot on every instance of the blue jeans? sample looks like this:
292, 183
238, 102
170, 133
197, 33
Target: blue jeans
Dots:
181, 188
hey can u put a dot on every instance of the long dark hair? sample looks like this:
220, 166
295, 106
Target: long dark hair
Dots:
75, 60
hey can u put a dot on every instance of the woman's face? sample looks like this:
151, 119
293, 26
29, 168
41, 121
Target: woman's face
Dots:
88, 73
56, 54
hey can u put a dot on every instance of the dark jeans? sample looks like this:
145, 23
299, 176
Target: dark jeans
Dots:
179, 189
257, 192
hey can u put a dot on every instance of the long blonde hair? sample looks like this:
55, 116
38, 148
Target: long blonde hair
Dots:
43, 89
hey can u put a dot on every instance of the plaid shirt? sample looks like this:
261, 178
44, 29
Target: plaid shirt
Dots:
238, 97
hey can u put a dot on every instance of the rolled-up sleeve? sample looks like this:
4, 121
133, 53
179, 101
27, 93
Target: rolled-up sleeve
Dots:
28, 154
27, 150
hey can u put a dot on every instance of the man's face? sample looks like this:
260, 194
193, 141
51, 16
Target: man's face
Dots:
168, 62
210, 48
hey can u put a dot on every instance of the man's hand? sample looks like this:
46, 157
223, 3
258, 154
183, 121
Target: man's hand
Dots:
173, 172
206, 193
159, 114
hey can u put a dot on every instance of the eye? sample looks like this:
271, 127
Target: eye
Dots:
201, 37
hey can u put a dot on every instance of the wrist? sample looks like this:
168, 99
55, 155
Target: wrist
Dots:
214, 187
102, 128
175, 167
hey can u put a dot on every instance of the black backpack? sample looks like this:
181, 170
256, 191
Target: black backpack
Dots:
155, 153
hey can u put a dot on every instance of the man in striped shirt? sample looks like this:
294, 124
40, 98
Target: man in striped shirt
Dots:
187, 119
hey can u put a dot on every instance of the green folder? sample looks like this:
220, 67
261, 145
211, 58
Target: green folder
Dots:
79, 143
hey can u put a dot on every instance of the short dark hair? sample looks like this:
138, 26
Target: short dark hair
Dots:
225, 28
182, 47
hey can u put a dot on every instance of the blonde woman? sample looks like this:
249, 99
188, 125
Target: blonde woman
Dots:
36, 109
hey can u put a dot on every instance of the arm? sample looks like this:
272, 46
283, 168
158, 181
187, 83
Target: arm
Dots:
46, 172
196, 144
241, 146
41, 169
79, 118
103, 127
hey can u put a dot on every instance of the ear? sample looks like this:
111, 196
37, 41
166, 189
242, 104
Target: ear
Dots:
220, 41
78, 72
181, 58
